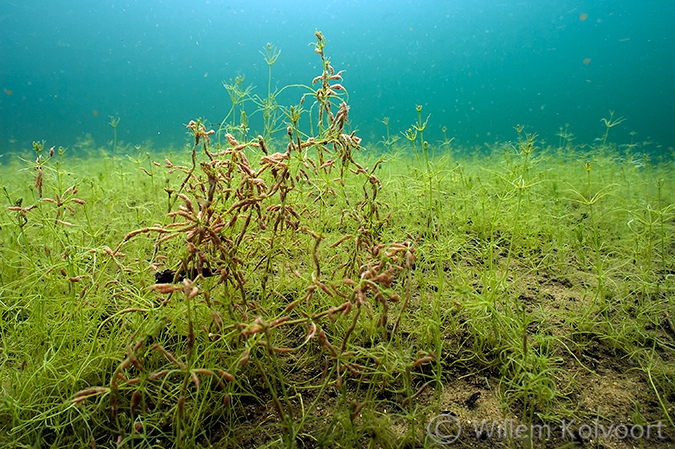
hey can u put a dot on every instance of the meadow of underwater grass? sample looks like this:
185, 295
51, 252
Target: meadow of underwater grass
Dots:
533, 273
311, 291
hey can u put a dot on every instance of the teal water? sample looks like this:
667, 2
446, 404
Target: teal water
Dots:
478, 67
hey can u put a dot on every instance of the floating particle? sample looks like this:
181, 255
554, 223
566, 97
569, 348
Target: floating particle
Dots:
583, 16
94, 112
7, 91
587, 61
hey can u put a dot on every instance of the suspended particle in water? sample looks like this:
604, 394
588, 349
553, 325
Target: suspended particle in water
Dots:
587, 61
583, 16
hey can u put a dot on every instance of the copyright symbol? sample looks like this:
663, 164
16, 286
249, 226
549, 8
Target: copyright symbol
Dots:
444, 429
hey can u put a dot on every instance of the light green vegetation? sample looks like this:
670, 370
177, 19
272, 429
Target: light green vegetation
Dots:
328, 294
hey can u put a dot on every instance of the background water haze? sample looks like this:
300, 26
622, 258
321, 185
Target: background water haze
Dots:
478, 67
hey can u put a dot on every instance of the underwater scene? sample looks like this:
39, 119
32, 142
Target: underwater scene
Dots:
337, 224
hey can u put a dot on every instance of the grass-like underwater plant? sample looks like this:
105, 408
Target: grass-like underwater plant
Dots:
295, 291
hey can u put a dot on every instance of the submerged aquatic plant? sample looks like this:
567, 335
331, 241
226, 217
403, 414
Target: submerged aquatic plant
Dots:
114, 122
227, 237
269, 104
609, 123
297, 292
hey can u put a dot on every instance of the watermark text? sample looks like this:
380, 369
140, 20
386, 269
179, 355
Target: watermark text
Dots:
447, 428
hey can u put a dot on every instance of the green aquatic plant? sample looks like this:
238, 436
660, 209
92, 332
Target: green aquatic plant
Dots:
609, 123
446, 142
238, 96
566, 138
142, 158
665, 213
293, 292
422, 155
649, 225
530, 371
526, 147
271, 55
269, 104
114, 122
411, 134
388, 140
591, 201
